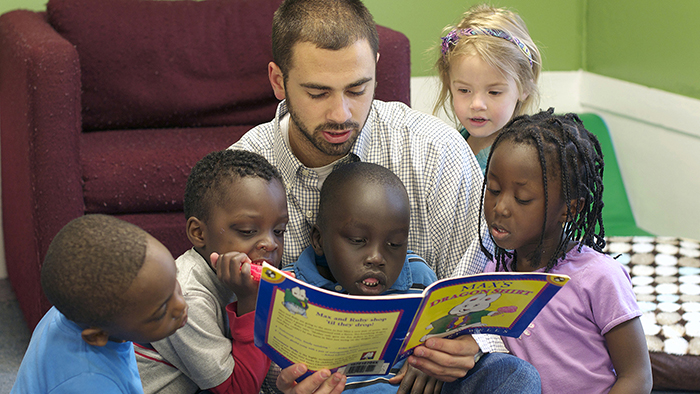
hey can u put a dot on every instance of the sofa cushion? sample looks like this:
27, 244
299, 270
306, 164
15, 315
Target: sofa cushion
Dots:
132, 171
151, 64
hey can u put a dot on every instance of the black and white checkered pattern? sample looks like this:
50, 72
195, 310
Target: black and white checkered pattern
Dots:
434, 162
665, 273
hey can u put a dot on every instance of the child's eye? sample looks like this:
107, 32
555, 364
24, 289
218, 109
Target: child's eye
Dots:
281, 232
521, 201
495, 93
463, 90
395, 245
164, 307
247, 232
493, 191
356, 241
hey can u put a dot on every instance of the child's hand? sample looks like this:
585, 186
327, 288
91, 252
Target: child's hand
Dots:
233, 270
415, 381
321, 382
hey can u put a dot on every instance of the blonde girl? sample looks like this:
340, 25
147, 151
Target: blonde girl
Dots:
488, 68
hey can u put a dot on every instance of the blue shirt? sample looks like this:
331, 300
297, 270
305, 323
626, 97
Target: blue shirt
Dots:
482, 157
59, 361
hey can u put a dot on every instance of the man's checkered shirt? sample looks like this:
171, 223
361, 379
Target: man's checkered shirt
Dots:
433, 161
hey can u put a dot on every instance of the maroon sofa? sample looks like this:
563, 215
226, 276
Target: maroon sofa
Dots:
105, 106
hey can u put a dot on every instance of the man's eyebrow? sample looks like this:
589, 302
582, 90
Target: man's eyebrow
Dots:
359, 82
355, 84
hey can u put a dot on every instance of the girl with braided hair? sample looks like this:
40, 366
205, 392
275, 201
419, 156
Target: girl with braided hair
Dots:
542, 201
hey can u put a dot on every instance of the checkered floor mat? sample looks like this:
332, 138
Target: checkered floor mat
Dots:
665, 274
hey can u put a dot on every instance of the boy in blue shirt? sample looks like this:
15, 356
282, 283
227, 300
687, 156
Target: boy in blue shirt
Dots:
110, 283
359, 246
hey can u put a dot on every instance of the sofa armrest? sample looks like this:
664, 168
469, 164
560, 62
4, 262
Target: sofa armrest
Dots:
39, 128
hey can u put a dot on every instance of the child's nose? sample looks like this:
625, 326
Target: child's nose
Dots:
267, 243
180, 305
501, 207
375, 257
478, 102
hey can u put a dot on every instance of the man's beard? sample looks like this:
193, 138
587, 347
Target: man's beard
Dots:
316, 139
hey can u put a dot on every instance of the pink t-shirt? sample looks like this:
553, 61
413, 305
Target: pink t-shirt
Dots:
565, 341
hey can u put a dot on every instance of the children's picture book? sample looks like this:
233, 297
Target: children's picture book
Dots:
366, 335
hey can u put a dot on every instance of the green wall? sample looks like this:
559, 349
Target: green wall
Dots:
640, 41
651, 43
8, 5
555, 26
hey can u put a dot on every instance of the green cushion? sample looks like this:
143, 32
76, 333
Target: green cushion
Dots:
617, 213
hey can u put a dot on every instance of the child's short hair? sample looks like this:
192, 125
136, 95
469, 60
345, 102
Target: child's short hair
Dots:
499, 46
573, 154
90, 265
368, 173
217, 170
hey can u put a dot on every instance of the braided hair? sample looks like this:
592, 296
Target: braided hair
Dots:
567, 150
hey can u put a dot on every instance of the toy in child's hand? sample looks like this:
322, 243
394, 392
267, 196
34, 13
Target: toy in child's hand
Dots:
256, 272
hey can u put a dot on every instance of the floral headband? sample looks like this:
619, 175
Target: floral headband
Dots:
453, 37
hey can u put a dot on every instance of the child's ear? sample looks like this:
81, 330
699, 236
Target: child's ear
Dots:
576, 205
195, 232
524, 96
95, 336
316, 240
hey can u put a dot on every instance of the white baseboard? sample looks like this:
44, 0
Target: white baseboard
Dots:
656, 136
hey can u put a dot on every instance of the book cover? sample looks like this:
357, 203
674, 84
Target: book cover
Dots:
365, 335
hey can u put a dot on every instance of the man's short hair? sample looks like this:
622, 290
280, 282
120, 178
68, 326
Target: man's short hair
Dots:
90, 265
328, 24
206, 184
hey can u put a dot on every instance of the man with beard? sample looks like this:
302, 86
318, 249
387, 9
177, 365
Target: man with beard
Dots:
324, 70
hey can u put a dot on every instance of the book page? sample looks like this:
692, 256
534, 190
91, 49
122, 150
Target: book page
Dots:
299, 323
323, 337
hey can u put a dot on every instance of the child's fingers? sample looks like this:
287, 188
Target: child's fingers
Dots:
396, 379
228, 266
321, 382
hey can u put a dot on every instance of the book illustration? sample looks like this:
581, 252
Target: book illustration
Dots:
366, 335
466, 314
295, 301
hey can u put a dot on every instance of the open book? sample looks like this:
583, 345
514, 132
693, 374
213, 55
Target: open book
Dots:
299, 323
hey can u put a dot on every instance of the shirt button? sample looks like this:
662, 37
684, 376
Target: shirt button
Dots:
338, 287
309, 214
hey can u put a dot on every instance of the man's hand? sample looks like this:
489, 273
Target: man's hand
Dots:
445, 359
321, 382
415, 381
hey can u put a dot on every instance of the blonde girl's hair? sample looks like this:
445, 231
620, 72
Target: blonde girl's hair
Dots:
499, 37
